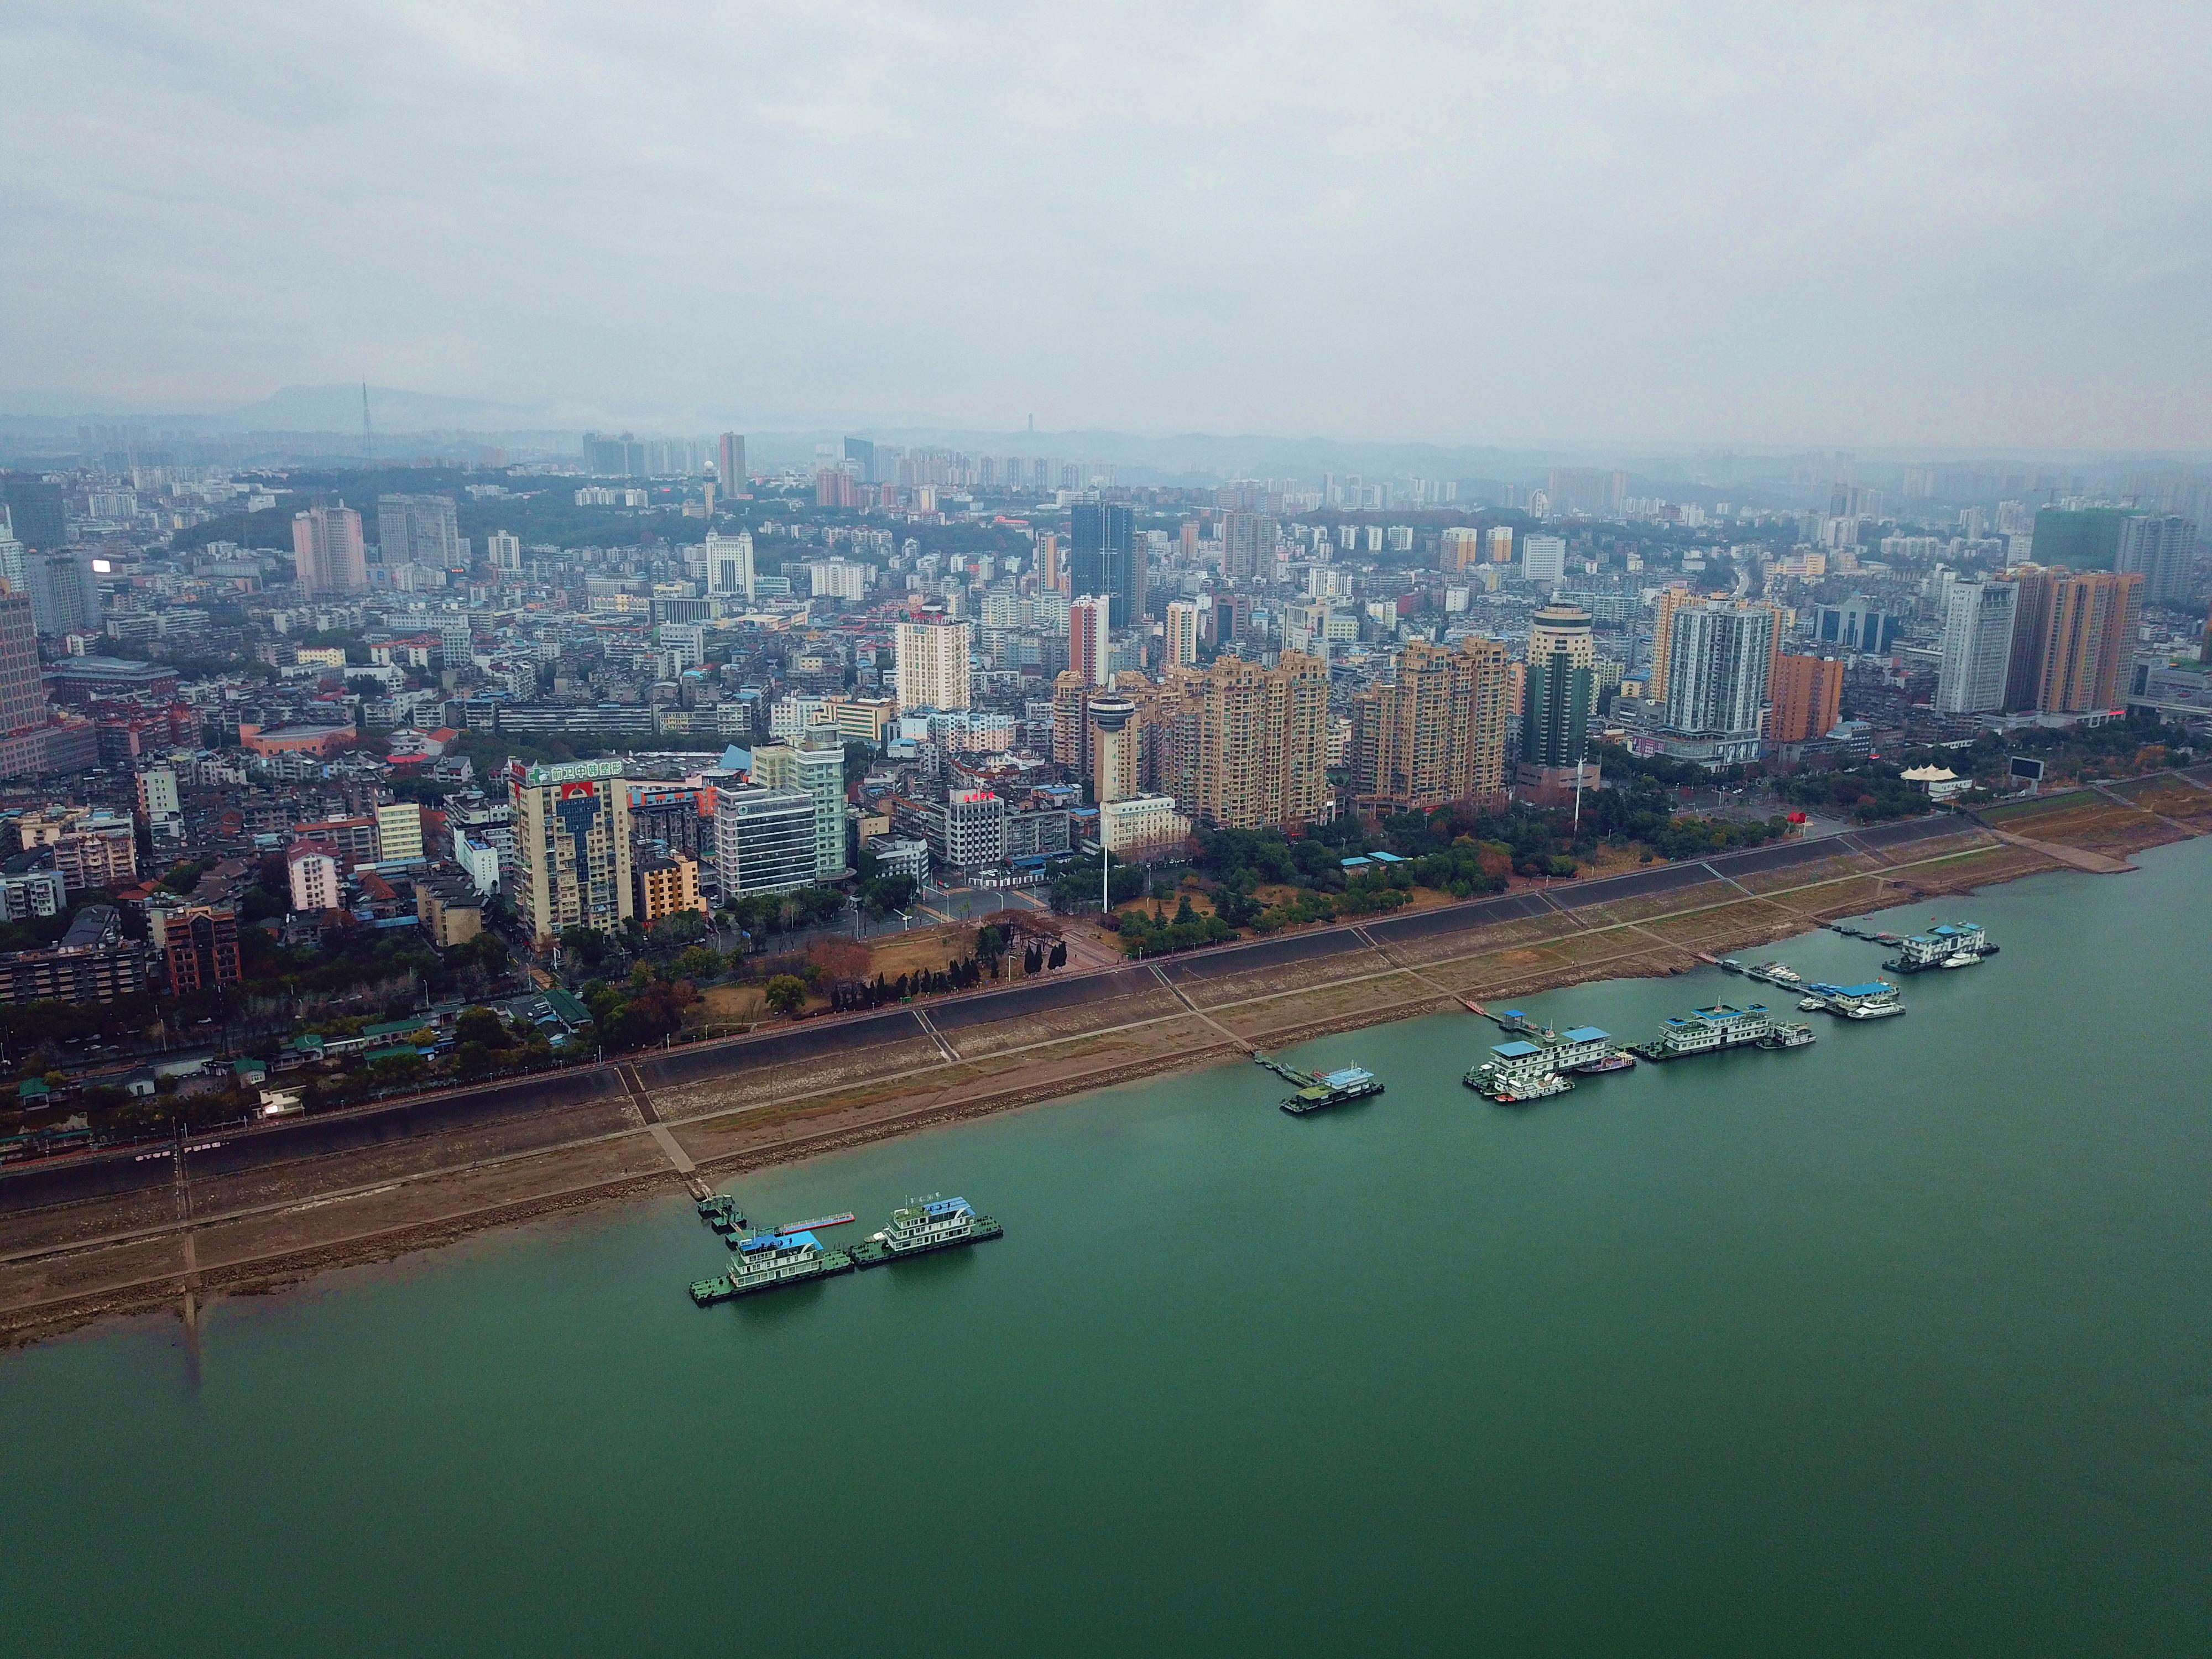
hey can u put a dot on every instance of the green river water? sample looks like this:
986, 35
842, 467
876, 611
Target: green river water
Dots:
1901, 1344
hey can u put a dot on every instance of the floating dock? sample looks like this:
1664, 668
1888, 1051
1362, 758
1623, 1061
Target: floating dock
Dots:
721, 1214
837, 1220
1335, 1088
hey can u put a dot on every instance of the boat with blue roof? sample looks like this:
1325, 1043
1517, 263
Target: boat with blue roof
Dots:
1874, 998
768, 1261
924, 1225
1316, 1093
1948, 945
1710, 1030
1545, 1063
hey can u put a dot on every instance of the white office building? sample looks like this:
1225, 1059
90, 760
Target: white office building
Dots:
813, 765
35, 888
1977, 620
1544, 558
933, 665
1138, 824
399, 833
1183, 619
763, 841
314, 877
836, 578
729, 562
1717, 681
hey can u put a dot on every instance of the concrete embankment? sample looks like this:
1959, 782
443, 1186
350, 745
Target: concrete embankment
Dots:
274, 1203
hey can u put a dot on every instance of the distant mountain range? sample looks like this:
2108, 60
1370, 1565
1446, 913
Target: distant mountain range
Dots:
776, 440
779, 438
334, 409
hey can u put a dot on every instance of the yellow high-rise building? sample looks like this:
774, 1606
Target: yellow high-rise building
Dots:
1244, 747
1436, 733
1664, 604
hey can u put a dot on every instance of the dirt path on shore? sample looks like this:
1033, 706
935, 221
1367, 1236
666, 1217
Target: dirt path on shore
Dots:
63, 1266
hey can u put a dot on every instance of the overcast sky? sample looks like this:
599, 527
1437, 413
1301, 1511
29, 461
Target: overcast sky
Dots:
1603, 222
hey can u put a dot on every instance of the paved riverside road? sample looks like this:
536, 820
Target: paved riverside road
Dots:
67, 1179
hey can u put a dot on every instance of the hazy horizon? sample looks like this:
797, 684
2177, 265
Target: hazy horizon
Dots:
1627, 227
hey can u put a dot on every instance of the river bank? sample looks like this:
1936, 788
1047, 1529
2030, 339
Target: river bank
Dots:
1892, 1344
688, 1119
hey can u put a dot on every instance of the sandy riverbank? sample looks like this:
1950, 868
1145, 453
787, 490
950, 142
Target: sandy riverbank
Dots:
63, 1266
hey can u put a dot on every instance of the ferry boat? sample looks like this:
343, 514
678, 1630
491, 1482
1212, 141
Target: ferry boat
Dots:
1964, 959
1775, 973
1523, 1070
1332, 1089
926, 1225
1729, 966
1708, 1030
1873, 999
1519, 1070
766, 1261
1939, 945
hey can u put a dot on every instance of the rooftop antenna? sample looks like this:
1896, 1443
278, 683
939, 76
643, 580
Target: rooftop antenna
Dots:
367, 443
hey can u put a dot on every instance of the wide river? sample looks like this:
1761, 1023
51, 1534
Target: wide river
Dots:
1901, 1344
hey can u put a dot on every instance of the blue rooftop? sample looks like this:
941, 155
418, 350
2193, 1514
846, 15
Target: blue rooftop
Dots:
1386, 858
1354, 864
1514, 1050
772, 1242
1871, 987
1587, 1034
945, 1206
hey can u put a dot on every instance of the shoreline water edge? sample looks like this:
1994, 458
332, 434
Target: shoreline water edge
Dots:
689, 1120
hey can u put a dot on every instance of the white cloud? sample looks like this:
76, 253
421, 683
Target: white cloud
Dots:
1613, 222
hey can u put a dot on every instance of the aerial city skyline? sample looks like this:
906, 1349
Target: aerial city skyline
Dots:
1260, 829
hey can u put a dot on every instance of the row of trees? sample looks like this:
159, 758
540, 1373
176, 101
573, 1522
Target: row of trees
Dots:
1158, 933
961, 975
